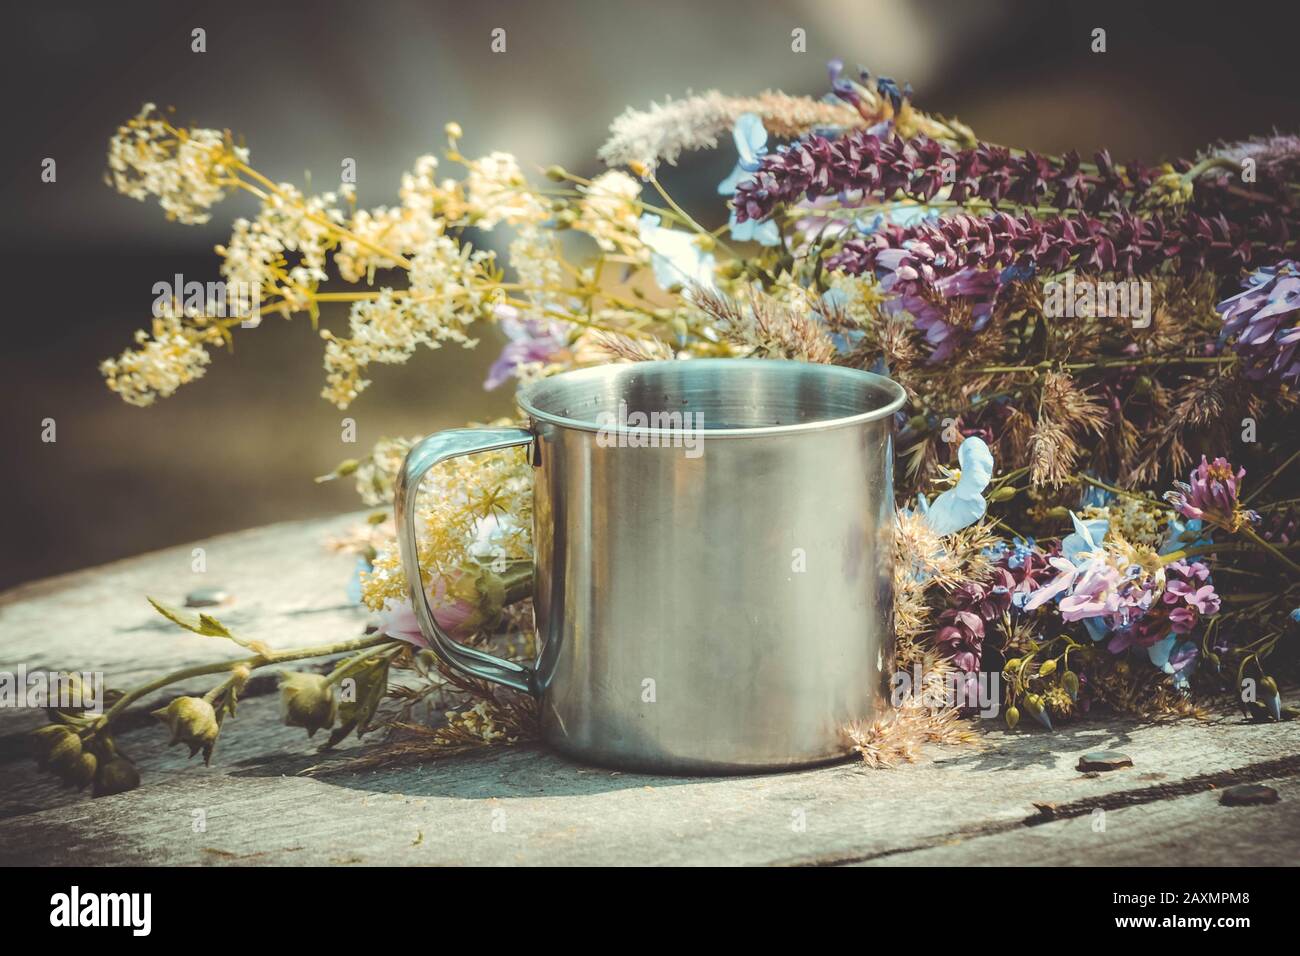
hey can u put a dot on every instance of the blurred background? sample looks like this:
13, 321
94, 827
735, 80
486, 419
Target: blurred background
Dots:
309, 84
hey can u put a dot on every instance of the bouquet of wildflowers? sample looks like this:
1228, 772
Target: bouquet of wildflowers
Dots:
1097, 485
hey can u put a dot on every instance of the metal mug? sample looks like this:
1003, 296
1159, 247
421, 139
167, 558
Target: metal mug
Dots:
712, 594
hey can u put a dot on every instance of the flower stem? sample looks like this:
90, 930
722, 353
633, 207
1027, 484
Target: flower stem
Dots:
1122, 492
1268, 546
1269, 480
258, 660
1047, 364
686, 217
321, 220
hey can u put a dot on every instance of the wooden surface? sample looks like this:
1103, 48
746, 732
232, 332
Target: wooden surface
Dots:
1017, 799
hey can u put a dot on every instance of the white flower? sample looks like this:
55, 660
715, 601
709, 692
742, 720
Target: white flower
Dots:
172, 356
496, 192
608, 211
444, 298
183, 168
676, 257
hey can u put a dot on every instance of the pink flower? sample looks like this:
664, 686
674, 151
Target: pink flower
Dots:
453, 615
1058, 585
1210, 492
1192, 598
1095, 594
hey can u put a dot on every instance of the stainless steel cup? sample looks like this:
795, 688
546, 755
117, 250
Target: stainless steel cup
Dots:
713, 588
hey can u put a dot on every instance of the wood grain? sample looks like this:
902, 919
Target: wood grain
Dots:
1016, 799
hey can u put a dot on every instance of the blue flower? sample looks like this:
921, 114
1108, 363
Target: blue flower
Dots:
1022, 549
1016, 273
1087, 537
353, 587
765, 233
888, 88
751, 147
1180, 533
1094, 497
1096, 628
963, 504
675, 256
849, 339
906, 214
996, 551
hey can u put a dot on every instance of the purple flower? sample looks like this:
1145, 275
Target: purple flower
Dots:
961, 633
1264, 320
877, 162
531, 342
1210, 493
1190, 596
901, 275
1095, 592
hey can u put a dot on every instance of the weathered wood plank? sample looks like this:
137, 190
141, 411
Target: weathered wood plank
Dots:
964, 806
287, 589
1192, 830
527, 805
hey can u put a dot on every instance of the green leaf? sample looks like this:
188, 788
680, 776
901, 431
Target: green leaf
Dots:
371, 686
199, 623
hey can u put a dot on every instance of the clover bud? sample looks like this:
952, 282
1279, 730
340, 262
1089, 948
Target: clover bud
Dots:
307, 701
48, 738
706, 243
63, 757
115, 775
82, 772
193, 722
1035, 709
453, 131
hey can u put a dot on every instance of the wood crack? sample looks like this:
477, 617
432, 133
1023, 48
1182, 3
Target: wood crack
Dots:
1050, 812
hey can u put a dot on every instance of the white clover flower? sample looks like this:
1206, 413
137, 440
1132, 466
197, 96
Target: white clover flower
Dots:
169, 357
496, 192
444, 298
608, 211
186, 169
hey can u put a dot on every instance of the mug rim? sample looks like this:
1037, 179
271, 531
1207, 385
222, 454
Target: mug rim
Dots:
523, 396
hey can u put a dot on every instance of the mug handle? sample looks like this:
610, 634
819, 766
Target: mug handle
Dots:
430, 451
